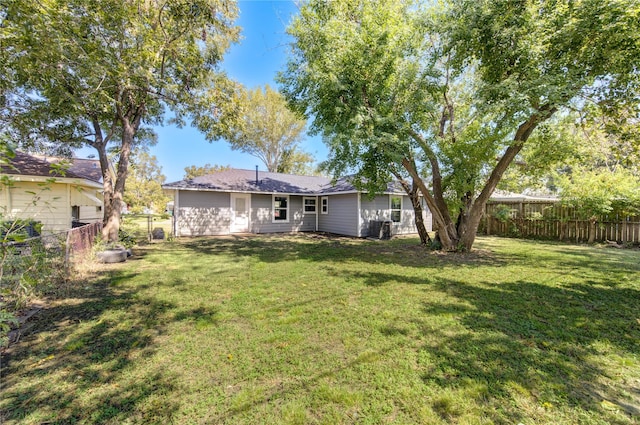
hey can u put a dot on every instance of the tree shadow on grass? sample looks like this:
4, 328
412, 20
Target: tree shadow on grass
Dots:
538, 340
545, 342
331, 249
75, 362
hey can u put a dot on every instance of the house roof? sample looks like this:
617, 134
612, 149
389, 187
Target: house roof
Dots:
236, 180
84, 167
28, 165
505, 196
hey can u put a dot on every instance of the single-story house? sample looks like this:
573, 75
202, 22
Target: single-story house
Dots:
40, 191
248, 201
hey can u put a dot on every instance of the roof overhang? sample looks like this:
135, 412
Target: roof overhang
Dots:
256, 192
54, 180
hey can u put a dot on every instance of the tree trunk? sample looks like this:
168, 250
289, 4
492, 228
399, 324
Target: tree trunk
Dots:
418, 212
419, 219
592, 230
413, 192
460, 236
108, 194
468, 228
443, 224
113, 212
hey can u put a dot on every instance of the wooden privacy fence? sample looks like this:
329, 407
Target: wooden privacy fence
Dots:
81, 239
551, 220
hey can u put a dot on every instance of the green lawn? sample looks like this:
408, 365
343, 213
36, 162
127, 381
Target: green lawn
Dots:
312, 330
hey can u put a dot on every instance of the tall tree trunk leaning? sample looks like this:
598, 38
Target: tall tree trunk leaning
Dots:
130, 122
460, 235
413, 192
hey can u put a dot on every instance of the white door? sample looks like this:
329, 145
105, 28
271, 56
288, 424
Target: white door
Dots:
240, 212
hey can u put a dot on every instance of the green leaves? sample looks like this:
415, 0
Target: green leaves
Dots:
261, 124
95, 72
458, 87
598, 192
143, 188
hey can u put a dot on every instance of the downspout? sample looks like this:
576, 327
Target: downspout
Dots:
317, 212
359, 229
176, 208
7, 189
69, 210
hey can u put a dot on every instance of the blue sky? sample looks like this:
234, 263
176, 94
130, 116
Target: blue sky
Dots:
254, 61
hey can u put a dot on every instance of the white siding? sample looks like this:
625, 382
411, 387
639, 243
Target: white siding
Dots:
203, 213
342, 217
90, 213
48, 204
85, 198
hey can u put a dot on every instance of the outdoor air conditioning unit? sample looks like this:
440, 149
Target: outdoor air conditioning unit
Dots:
380, 229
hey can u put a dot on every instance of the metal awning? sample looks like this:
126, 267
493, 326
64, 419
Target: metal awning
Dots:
95, 199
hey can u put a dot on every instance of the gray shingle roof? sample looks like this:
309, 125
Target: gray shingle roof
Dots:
235, 180
24, 164
84, 167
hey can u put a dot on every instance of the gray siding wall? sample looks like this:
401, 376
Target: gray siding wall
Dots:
407, 222
377, 209
262, 216
209, 213
342, 217
203, 213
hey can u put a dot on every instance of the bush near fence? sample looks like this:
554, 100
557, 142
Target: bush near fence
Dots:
35, 265
552, 220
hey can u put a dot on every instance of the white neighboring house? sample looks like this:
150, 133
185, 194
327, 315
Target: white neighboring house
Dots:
39, 191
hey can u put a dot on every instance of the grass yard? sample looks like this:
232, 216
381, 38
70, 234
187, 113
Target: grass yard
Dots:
313, 330
140, 226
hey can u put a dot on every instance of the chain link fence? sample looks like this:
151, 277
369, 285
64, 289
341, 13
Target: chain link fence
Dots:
36, 264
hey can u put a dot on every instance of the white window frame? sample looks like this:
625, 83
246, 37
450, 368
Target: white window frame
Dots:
273, 209
391, 210
304, 205
324, 207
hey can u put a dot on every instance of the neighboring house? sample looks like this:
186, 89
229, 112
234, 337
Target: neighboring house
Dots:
247, 201
510, 197
39, 191
84, 167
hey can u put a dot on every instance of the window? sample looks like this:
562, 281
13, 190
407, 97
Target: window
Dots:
75, 213
324, 205
395, 205
309, 205
280, 209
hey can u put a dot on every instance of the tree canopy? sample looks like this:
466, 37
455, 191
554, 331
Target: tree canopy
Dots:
97, 72
267, 129
195, 171
144, 183
449, 94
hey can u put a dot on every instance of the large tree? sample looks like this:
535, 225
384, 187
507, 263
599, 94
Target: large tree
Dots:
144, 184
195, 171
451, 93
95, 72
266, 128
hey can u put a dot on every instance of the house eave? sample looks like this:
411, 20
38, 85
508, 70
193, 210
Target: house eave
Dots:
258, 192
62, 180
